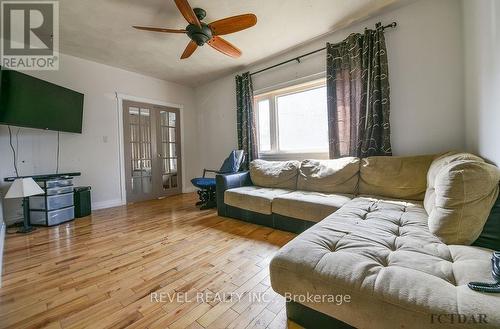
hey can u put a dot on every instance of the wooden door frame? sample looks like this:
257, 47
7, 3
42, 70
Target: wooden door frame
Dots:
120, 97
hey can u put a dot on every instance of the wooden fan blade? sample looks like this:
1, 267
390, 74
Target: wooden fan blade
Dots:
191, 47
224, 47
187, 12
233, 24
158, 29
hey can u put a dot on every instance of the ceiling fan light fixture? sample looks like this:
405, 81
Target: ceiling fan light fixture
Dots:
201, 33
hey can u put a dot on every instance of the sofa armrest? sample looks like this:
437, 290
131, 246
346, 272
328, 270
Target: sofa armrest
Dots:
228, 181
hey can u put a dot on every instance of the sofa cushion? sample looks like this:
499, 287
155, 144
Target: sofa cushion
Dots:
275, 174
306, 205
329, 176
442, 161
252, 198
459, 198
400, 177
397, 273
436, 166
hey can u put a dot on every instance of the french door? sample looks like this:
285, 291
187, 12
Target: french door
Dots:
152, 151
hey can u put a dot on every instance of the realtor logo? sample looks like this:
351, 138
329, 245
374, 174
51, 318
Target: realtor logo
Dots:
29, 35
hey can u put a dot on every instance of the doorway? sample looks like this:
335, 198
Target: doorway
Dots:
152, 151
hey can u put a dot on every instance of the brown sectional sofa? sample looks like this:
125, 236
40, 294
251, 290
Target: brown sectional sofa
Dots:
393, 234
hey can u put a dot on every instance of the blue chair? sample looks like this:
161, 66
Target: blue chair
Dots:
206, 185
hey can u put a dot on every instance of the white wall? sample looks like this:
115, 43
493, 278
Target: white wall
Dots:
482, 77
426, 77
95, 152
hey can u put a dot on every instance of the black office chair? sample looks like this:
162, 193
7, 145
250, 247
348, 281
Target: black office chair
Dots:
206, 185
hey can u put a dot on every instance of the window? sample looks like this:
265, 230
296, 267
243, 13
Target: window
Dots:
293, 121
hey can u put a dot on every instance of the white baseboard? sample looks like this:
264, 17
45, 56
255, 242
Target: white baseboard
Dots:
107, 204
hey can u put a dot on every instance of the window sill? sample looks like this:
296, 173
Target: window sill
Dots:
293, 156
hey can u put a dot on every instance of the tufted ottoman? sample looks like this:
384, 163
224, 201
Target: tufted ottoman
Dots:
395, 272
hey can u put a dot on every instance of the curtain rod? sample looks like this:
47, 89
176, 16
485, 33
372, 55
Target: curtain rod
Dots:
297, 59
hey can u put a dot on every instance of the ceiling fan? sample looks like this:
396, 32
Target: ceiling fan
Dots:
201, 33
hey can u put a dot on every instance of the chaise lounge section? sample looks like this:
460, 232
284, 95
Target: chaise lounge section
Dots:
396, 273
398, 245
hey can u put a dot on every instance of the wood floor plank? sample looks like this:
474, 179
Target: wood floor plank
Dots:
280, 321
103, 271
262, 320
224, 320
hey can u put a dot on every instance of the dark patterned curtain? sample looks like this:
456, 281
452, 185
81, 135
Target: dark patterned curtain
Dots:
245, 119
358, 96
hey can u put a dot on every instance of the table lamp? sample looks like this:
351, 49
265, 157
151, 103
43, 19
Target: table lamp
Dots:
24, 188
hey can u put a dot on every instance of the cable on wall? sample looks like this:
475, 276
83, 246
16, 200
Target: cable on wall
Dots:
13, 152
17, 140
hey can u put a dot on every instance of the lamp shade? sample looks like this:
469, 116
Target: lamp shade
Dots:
23, 187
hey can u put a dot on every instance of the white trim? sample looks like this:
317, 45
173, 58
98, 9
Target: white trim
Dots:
290, 83
107, 204
120, 97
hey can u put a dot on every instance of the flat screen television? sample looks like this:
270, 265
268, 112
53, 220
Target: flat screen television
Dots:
26, 101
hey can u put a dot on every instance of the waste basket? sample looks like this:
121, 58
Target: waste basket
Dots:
82, 201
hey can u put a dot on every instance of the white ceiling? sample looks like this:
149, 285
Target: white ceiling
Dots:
100, 30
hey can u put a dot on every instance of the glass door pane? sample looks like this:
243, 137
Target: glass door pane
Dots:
169, 149
140, 173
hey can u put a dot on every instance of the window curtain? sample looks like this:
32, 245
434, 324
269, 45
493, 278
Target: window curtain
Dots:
245, 118
358, 96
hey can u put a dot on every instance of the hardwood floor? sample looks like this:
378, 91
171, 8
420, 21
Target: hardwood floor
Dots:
105, 271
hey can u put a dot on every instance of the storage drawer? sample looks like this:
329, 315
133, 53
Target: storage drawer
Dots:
56, 183
59, 190
54, 217
51, 202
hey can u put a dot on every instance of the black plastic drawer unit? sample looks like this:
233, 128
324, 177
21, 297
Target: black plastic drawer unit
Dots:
56, 205
53, 217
